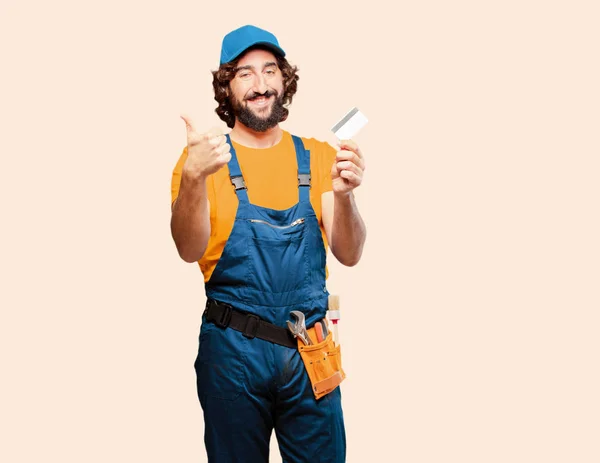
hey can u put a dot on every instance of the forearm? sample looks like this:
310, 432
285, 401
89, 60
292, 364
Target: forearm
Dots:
348, 230
190, 219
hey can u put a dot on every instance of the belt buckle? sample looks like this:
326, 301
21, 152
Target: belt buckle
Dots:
224, 317
251, 333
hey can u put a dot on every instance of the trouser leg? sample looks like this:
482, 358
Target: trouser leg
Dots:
237, 415
307, 430
236, 431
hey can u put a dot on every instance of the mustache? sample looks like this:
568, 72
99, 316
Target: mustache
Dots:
267, 94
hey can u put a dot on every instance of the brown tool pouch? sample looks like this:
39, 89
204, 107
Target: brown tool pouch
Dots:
323, 362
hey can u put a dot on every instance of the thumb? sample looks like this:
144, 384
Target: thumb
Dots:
189, 126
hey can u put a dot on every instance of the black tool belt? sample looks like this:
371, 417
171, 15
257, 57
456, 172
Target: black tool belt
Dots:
225, 315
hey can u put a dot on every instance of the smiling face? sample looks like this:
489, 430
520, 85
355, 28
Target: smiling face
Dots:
257, 91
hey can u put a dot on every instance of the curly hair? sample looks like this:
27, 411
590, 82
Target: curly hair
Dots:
226, 72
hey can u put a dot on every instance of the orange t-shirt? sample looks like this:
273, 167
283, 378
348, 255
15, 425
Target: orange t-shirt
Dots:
271, 176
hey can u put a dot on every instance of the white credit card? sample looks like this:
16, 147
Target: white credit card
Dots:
349, 125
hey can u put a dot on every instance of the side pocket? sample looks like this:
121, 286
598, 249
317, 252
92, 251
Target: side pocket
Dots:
323, 363
220, 363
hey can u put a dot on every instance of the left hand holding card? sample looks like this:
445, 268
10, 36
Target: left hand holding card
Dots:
348, 169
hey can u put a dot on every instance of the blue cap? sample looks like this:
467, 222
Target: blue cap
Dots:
239, 40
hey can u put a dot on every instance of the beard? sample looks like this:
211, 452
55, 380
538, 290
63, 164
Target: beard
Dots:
254, 121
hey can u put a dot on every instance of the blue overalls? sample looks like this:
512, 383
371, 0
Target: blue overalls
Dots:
272, 263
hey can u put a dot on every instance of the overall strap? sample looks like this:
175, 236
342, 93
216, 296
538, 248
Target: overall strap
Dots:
303, 158
235, 174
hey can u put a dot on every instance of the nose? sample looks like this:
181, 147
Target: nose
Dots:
260, 84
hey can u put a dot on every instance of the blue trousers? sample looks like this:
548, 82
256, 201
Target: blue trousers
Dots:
249, 387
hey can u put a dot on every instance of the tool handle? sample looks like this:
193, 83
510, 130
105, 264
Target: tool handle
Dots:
319, 331
336, 338
325, 327
334, 314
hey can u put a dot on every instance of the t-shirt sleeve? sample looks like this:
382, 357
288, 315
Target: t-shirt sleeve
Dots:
176, 177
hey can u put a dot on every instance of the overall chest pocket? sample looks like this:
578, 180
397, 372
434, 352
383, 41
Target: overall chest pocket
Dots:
278, 257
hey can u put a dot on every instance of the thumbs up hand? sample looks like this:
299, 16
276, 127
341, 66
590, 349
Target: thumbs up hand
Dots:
207, 152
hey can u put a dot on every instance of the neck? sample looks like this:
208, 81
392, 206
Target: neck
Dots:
252, 139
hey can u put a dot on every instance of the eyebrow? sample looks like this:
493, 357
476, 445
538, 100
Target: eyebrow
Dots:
248, 66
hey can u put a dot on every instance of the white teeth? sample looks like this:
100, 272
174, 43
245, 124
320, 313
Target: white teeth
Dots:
260, 100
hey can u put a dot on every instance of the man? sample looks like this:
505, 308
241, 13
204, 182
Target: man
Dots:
256, 209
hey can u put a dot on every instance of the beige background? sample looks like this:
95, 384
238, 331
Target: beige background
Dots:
479, 281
